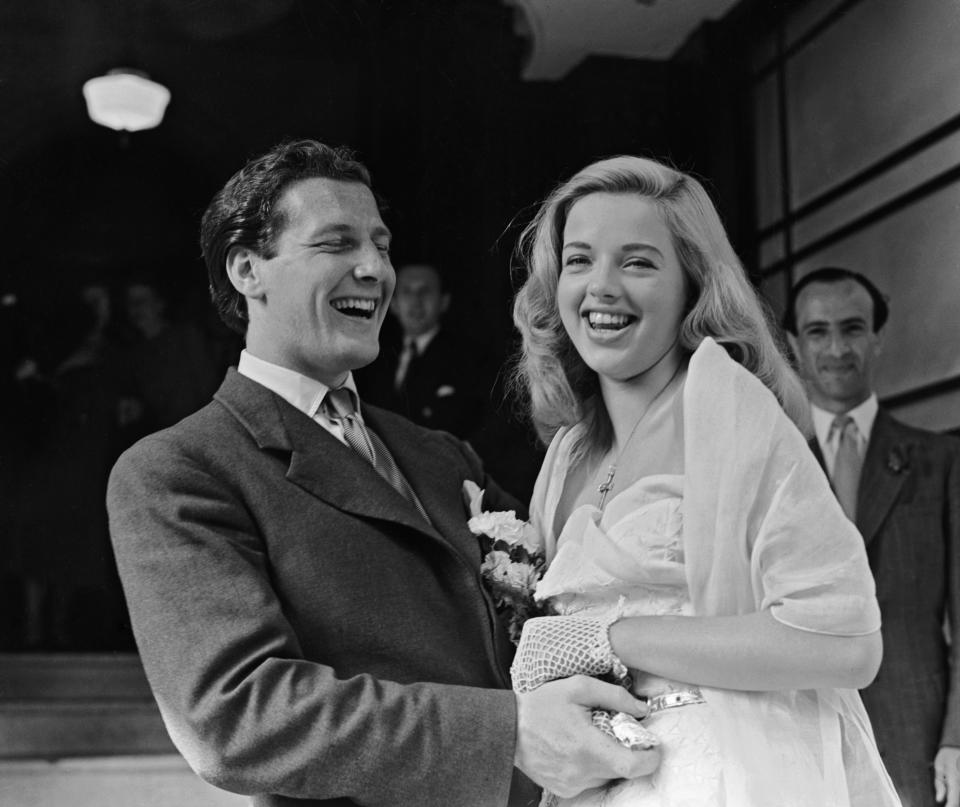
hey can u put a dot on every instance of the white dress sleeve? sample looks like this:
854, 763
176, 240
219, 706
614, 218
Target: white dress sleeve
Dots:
762, 530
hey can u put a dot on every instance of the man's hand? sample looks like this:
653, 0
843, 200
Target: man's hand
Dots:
946, 776
558, 746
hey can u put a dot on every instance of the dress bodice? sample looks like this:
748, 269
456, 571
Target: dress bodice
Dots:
627, 558
633, 546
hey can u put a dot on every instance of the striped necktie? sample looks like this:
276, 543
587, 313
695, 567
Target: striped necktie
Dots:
847, 464
340, 406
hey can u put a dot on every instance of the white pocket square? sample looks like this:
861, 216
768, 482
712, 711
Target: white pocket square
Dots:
445, 391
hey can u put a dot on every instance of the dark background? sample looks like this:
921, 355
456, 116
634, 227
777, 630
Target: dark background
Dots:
430, 95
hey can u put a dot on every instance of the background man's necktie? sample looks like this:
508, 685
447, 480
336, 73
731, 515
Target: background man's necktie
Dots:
847, 465
407, 355
339, 405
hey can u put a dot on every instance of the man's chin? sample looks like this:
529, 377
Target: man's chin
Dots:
364, 357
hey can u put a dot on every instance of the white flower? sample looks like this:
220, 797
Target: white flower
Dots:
503, 525
506, 576
520, 577
494, 564
472, 497
529, 538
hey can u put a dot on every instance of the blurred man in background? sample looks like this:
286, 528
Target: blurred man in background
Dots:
901, 486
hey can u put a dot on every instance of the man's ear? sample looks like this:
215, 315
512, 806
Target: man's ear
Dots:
879, 339
444, 302
243, 269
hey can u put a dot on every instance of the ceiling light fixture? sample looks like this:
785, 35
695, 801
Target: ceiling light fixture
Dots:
125, 100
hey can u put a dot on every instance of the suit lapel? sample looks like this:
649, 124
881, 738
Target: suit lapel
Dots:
880, 483
429, 474
815, 448
326, 468
319, 463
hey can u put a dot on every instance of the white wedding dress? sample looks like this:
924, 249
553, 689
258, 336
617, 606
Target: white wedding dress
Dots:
744, 521
631, 553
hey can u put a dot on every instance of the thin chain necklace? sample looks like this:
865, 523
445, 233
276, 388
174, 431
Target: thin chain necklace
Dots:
607, 484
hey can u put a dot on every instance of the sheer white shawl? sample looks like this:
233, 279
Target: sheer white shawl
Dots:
763, 530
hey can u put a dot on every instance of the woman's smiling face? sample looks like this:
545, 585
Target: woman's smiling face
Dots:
621, 291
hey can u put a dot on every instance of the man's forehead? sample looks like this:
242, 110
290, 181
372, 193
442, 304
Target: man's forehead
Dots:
330, 202
844, 299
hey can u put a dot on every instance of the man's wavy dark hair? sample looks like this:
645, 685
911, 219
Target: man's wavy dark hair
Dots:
835, 274
246, 213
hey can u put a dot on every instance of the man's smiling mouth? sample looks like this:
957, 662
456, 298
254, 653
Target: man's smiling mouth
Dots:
359, 307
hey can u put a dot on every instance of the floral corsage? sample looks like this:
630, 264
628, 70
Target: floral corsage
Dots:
513, 562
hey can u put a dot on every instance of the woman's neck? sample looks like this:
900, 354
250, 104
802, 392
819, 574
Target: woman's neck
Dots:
628, 401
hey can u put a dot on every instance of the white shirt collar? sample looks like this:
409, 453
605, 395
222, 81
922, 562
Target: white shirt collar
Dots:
863, 415
306, 394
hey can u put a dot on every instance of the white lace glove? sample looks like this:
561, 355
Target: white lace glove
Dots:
554, 647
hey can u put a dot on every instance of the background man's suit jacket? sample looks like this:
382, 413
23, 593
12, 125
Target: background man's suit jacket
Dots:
908, 511
446, 387
289, 606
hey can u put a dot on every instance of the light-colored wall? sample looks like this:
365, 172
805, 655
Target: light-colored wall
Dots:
878, 77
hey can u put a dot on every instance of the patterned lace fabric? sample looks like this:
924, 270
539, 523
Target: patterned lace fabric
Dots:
633, 549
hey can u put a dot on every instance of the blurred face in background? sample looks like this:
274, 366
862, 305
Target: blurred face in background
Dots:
146, 309
835, 344
98, 298
419, 300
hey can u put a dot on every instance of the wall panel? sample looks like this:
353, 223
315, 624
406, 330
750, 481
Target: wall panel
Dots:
769, 178
885, 73
868, 196
774, 288
939, 412
807, 16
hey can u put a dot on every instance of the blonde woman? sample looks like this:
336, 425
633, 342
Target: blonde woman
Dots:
692, 537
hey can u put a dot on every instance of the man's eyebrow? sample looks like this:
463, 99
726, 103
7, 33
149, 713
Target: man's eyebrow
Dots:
340, 228
823, 323
328, 229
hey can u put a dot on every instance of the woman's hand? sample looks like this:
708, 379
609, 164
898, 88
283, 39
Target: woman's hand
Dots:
554, 647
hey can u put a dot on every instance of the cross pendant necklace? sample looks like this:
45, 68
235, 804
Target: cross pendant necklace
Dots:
606, 486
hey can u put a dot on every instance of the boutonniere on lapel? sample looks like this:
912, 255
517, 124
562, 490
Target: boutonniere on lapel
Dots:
513, 562
897, 462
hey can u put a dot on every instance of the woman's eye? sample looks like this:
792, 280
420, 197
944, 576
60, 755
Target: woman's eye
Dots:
384, 248
640, 263
576, 260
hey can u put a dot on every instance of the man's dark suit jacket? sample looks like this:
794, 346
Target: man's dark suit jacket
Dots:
908, 511
306, 634
446, 387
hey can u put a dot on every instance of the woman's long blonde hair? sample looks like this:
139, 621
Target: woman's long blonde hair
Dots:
722, 303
